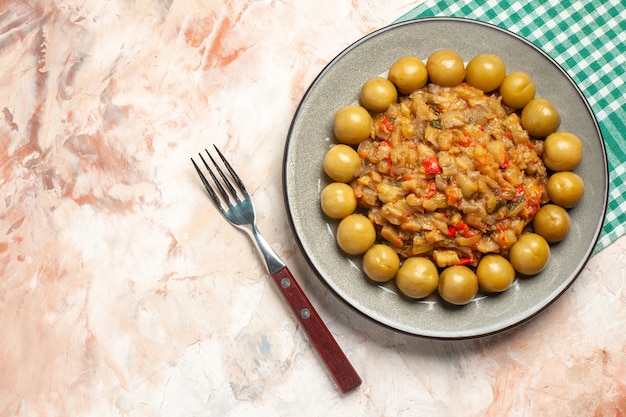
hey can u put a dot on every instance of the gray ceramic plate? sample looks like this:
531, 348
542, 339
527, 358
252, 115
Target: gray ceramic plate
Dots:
311, 136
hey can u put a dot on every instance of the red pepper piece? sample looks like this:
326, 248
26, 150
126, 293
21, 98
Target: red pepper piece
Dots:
466, 140
452, 196
387, 124
431, 165
505, 163
462, 228
466, 261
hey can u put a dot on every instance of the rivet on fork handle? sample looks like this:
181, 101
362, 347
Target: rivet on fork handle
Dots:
335, 360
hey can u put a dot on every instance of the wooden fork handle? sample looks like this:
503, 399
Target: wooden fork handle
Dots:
335, 360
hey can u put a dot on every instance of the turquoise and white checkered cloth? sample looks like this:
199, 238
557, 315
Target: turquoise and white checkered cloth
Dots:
588, 39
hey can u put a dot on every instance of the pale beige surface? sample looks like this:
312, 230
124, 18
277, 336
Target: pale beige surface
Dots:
123, 293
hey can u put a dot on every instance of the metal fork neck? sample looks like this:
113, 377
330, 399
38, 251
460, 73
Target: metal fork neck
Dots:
272, 261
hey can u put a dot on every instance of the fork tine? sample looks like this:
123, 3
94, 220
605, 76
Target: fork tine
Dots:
232, 173
225, 179
214, 177
207, 185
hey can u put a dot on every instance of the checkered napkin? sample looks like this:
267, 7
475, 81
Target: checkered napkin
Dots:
588, 39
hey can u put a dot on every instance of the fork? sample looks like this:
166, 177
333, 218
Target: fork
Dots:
234, 202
